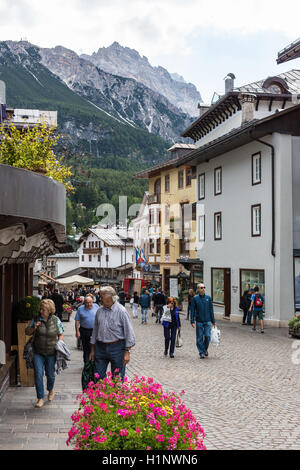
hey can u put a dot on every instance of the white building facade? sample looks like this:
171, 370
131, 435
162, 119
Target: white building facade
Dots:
248, 209
104, 248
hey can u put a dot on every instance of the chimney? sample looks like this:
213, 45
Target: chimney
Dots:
247, 101
229, 82
2, 92
203, 108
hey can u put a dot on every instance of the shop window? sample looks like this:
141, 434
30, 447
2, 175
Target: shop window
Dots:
249, 278
217, 285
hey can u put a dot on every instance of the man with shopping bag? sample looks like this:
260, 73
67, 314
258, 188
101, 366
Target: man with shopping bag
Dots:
202, 317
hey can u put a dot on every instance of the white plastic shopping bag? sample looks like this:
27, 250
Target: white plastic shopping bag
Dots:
215, 336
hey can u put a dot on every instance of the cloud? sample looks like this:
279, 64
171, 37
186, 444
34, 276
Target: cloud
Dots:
17, 13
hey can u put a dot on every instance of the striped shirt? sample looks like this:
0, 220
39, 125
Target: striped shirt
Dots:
112, 324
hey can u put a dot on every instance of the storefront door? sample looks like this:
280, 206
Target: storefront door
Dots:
221, 288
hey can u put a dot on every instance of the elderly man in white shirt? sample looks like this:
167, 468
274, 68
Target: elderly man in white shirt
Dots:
112, 336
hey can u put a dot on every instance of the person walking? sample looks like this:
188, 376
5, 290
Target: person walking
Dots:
245, 305
202, 317
84, 323
256, 307
171, 327
135, 305
159, 302
145, 304
112, 337
122, 297
190, 298
47, 330
59, 302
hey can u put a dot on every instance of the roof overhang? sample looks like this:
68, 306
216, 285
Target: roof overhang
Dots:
284, 122
223, 109
292, 51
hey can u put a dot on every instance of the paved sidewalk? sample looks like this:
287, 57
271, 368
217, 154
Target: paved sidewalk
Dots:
245, 394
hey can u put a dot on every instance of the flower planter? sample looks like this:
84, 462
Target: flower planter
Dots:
294, 333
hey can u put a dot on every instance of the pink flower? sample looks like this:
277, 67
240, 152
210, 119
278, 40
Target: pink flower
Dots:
138, 430
123, 432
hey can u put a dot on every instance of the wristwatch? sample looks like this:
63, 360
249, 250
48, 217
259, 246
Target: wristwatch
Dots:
126, 349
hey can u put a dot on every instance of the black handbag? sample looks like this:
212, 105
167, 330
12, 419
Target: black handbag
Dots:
87, 375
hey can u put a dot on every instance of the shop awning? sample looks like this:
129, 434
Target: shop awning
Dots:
75, 280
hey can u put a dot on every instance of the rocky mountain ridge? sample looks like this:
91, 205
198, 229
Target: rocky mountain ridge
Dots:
128, 63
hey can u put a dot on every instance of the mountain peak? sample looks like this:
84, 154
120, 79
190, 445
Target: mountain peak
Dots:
128, 63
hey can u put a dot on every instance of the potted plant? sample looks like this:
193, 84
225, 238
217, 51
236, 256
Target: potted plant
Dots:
134, 415
294, 326
32, 149
26, 309
67, 311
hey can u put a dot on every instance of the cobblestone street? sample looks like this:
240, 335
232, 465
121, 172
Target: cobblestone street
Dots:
245, 394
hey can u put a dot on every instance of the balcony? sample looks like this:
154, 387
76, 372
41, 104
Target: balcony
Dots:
92, 251
154, 199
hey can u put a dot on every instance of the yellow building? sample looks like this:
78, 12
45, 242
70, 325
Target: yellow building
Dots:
172, 222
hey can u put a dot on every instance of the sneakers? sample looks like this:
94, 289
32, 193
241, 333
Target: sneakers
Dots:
166, 353
206, 354
202, 356
253, 329
51, 395
262, 331
39, 403
171, 356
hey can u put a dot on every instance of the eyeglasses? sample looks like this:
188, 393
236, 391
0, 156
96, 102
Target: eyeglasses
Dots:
202, 287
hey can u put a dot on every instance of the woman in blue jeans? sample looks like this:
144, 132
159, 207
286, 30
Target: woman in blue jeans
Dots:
170, 328
47, 331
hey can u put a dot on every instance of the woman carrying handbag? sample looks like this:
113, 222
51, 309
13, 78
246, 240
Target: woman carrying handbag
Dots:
171, 323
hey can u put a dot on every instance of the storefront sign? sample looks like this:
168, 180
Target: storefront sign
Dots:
173, 287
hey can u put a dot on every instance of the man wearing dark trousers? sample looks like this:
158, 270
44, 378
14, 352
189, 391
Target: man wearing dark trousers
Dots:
84, 323
202, 317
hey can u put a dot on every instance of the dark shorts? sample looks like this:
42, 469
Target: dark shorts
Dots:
258, 314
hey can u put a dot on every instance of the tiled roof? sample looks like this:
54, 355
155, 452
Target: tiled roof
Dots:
110, 236
292, 78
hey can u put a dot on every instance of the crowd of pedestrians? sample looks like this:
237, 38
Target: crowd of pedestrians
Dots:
102, 324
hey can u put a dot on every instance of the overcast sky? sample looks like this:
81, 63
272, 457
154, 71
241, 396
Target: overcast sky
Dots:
200, 40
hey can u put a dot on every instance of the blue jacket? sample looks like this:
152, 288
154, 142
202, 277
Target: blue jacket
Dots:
145, 301
202, 309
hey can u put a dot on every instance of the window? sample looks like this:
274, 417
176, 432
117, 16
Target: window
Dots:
250, 278
151, 214
82, 257
158, 245
188, 177
99, 258
90, 258
201, 228
167, 246
167, 214
201, 186
151, 245
84, 244
256, 220
217, 276
180, 179
218, 181
167, 183
159, 216
256, 168
218, 226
